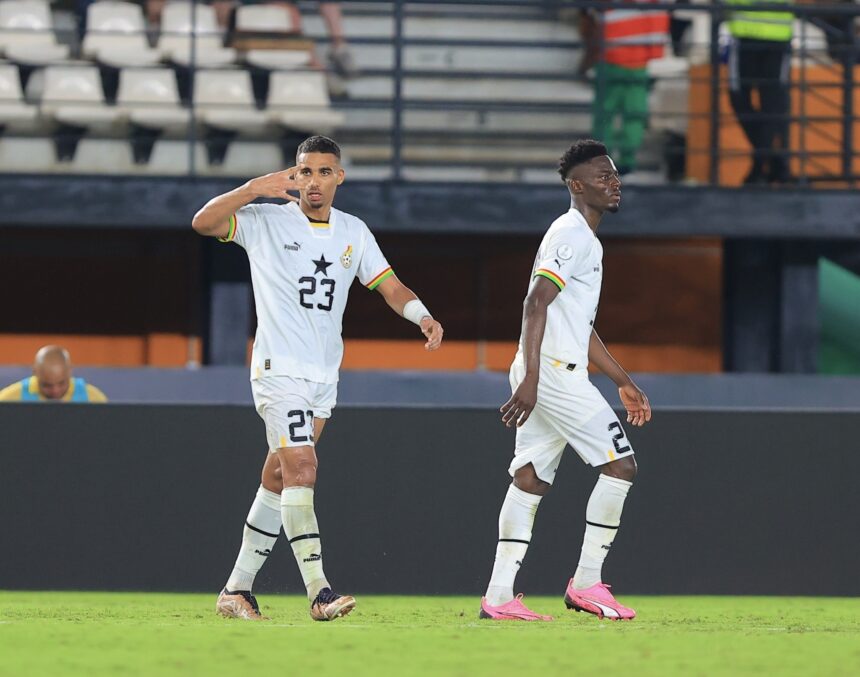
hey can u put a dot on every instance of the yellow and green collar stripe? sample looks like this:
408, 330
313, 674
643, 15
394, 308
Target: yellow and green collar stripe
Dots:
232, 232
384, 275
551, 276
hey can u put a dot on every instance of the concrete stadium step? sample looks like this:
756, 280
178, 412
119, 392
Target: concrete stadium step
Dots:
487, 89
449, 28
495, 10
455, 174
540, 154
444, 58
508, 122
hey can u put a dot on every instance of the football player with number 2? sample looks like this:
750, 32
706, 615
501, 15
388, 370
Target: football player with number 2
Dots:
554, 404
304, 256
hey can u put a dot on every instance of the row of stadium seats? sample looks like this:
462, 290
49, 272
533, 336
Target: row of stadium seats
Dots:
149, 97
246, 158
117, 35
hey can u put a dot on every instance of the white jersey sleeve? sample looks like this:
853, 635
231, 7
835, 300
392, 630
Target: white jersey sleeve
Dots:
569, 256
247, 223
560, 257
373, 268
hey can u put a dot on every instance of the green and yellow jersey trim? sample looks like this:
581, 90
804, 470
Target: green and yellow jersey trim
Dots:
232, 232
551, 276
384, 275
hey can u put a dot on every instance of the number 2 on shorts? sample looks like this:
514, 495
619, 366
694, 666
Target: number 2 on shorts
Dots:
618, 436
304, 418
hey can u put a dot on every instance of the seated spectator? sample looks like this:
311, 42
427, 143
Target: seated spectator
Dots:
223, 11
52, 381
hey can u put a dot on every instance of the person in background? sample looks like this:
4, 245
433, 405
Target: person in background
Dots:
52, 380
339, 55
760, 60
619, 43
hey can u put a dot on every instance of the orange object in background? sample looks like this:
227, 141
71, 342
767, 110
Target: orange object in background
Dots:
497, 356
152, 350
822, 140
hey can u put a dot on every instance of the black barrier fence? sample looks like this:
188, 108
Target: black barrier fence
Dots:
153, 498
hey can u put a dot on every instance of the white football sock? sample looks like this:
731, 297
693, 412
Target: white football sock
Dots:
261, 531
602, 519
515, 531
300, 526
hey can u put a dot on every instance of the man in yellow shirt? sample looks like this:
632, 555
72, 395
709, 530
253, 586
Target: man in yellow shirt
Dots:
52, 381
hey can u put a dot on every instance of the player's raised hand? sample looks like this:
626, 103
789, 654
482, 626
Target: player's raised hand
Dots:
636, 403
517, 410
277, 184
433, 331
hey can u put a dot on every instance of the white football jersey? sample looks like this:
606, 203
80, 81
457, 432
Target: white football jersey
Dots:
571, 257
301, 275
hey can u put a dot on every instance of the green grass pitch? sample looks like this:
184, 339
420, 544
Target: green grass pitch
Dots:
75, 633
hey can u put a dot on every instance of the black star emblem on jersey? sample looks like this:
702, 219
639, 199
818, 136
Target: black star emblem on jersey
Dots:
321, 265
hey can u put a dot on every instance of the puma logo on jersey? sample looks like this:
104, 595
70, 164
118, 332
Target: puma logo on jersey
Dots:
294, 247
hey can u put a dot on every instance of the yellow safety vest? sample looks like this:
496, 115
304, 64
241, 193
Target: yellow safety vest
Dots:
758, 25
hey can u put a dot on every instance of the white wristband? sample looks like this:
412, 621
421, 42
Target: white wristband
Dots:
415, 311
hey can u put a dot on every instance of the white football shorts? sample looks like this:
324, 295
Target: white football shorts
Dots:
569, 410
288, 407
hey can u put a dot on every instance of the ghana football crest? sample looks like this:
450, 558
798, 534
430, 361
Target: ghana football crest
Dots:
346, 257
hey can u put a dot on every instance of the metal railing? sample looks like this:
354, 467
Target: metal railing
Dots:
822, 90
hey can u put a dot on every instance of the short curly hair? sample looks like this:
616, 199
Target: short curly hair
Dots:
318, 144
581, 151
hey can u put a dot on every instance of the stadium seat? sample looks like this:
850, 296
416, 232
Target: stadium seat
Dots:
247, 159
102, 156
13, 110
224, 99
170, 158
116, 35
27, 35
73, 95
270, 19
300, 101
264, 19
174, 42
149, 97
26, 155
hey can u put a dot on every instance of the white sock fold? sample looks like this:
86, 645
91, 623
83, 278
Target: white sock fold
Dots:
515, 532
300, 526
258, 538
602, 519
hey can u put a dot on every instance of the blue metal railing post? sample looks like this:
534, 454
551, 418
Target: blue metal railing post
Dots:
803, 121
397, 110
848, 61
714, 141
192, 70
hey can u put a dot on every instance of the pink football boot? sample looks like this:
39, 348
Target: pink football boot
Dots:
597, 600
514, 610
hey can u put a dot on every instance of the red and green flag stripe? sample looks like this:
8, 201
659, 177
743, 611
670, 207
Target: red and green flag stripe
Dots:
551, 276
384, 275
232, 232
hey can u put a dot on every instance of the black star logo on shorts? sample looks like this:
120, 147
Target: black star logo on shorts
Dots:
321, 265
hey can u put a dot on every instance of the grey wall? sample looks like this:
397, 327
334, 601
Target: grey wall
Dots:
170, 202
482, 389
154, 497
